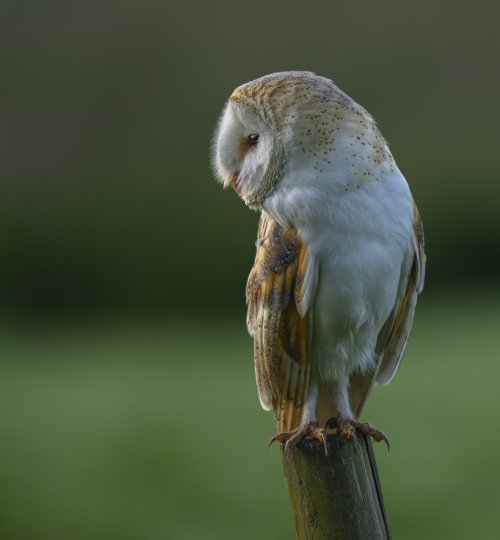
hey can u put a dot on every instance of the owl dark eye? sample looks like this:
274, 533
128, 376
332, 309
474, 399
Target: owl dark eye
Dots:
253, 138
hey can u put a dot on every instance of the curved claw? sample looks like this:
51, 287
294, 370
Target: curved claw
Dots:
386, 440
387, 443
376, 434
287, 446
280, 437
272, 440
324, 438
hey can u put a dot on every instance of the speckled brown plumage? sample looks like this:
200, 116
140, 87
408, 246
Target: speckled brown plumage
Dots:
281, 335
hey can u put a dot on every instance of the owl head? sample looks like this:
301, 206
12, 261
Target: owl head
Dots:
293, 117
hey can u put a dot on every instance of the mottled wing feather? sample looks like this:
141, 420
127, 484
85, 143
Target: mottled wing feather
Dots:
392, 339
278, 318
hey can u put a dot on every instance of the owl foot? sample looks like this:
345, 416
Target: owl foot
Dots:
345, 427
292, 438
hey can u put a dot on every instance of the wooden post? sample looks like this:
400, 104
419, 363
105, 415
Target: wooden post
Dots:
335, 497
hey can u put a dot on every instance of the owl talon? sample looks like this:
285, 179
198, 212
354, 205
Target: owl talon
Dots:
347, 428
295, 436
272, 441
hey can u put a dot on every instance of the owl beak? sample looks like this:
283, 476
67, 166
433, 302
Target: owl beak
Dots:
234, 182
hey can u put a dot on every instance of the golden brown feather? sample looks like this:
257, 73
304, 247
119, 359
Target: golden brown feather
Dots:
281, 335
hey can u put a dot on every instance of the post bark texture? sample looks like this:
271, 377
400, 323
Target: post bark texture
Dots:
335, 496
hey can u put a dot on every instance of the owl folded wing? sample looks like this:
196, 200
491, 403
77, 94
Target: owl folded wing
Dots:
279, 293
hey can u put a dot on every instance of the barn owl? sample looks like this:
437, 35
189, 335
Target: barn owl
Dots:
340, 250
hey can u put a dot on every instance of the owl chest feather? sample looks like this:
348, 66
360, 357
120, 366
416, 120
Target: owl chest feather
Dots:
361, 242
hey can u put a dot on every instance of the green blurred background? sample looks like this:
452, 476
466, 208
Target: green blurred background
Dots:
127, 402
